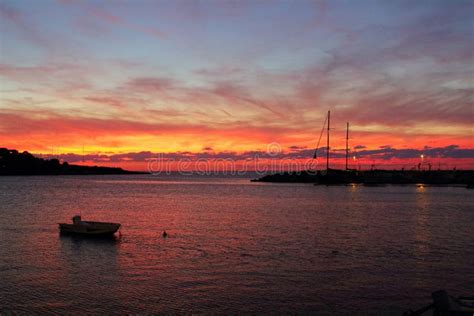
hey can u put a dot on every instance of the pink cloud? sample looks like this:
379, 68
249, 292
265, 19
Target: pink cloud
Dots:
107, 101
24, 25
233, 92
24, 123
117, 20
150, 84
50, 77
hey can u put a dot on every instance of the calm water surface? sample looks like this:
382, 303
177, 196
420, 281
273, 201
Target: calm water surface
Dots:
234, 246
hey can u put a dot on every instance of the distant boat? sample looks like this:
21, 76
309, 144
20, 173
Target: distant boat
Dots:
80, 227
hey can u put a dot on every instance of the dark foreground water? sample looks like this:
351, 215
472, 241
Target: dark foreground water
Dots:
234, 246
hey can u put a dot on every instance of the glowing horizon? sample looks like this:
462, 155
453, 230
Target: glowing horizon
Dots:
225, 79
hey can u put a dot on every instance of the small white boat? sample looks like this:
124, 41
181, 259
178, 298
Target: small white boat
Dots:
81, 227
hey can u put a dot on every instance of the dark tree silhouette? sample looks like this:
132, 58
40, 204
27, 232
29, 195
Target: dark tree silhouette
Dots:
14, 163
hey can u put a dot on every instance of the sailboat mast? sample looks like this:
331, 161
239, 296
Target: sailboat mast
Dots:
347, 145
327, 151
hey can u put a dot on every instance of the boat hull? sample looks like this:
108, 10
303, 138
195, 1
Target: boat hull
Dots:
89, 228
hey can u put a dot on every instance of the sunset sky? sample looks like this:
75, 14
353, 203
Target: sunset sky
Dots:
127, 80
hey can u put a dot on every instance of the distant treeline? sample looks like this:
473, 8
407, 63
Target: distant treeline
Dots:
13, 162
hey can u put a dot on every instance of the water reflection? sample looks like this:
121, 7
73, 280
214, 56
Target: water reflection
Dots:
76, 250
422, 214
86, 262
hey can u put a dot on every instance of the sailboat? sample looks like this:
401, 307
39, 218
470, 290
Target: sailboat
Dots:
315, 155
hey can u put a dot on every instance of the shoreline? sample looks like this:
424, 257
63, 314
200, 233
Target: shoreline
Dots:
375, 177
